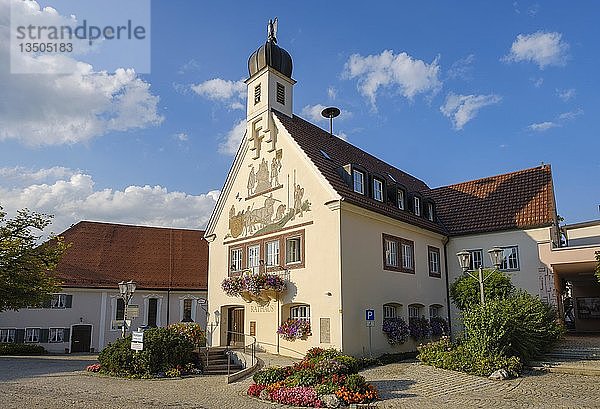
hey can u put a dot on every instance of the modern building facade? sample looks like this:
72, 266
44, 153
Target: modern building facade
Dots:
169, 267
350, 233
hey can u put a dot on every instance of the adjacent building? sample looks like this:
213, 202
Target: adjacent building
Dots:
168, 265
349, 233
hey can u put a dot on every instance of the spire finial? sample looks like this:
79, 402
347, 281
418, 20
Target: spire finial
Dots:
272, 31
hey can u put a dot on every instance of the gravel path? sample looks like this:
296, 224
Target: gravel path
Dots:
57, 381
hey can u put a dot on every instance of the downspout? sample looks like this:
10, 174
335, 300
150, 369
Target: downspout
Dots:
170, 273
446, 240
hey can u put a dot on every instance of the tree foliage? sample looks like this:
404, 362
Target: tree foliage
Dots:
26, 267
464, 292
598, 265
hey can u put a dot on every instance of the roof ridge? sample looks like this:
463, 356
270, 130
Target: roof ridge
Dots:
540, 167
132, 226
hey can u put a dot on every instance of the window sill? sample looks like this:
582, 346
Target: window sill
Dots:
398, 269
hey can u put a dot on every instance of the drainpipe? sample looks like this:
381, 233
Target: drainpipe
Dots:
447, 239
170, 274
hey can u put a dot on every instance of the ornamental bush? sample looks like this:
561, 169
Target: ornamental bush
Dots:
439, 327
164, 349
192, 331
465, 293
419, 328
21, 349
396, 330
270, 375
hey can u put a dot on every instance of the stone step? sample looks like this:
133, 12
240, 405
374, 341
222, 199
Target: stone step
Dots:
558, 367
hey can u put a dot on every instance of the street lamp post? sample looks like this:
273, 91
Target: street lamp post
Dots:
464, 259
126, 289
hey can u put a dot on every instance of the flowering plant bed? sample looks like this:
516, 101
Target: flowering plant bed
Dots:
253, 284
192, 331
324, 378
396, 330
294, 329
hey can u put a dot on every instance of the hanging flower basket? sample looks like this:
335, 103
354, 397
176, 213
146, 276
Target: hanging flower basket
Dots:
246, 296
396, 330
265, 286
294, 329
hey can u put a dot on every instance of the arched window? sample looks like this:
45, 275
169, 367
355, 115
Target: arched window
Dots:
415, 311
435, 311
300, 312
392, 310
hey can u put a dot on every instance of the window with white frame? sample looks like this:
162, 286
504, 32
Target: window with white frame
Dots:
390, 311
408, 256
300, 312
511, 258
254, 258
7, 335
293, 250
400, 199
417, 204
32, 335
58, 301
378, 190
187, 310
430, 211
359, 181
476, 259
272, 249
236, 259
435, 311
414, 312
391, 253
434, 261
56, 335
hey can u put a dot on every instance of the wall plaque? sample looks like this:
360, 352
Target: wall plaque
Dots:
325, 330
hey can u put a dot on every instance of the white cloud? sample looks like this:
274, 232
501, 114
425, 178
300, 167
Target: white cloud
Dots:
232, 93
463, 108
462, 68
182, 136
543, 126
342, 135
51, 109
408, 75
20, 174
566, 94
537, 82
232, 140
74, 198
331, 93
541, 48
569, 116
313, 113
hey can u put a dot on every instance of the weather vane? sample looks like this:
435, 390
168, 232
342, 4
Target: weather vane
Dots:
272, 30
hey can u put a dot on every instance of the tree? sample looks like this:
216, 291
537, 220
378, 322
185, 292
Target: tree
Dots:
26, 267
464, 292
598, 265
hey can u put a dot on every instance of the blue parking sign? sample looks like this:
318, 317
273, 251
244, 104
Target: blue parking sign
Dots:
370, 315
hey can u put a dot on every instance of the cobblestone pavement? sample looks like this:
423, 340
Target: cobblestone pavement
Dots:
57, 381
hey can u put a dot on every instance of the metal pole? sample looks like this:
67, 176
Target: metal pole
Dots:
481, 285
370, 344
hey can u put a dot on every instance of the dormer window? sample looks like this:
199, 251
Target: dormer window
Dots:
430, 211
378, 190
417, 202
359, 181
400, 199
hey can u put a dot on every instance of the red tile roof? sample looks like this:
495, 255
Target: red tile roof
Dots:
523, 199
517, 200
313, 140
102, 254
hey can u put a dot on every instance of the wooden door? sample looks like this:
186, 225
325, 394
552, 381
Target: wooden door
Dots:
235, 324
81, 338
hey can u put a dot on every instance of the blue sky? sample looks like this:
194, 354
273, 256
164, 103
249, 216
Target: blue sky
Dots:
447, 91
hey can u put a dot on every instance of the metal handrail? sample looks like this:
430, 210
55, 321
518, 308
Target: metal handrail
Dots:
251, 346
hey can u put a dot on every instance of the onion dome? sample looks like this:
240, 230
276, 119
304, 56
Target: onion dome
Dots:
270, 54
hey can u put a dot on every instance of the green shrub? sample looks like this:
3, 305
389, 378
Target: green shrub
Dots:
350, 362
356, 383
268, 376
21, 349
303, 377
465, 292
326, 389
163, 349
522, 326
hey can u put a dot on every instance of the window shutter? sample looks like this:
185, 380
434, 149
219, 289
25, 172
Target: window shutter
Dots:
20, 335
47, 303
409, 202
44, 334
69, 301
66, 334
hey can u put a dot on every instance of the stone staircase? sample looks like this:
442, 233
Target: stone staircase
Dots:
580, 360
216, 363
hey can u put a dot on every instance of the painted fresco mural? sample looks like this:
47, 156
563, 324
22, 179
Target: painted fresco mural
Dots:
266, 212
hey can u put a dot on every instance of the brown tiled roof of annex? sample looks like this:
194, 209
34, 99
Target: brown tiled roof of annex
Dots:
517, 200
315, 141
102, 254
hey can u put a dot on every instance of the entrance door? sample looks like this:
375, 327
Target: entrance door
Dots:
235, 324
81, 338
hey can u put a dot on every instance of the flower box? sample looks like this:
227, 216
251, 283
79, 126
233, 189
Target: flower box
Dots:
254, 287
